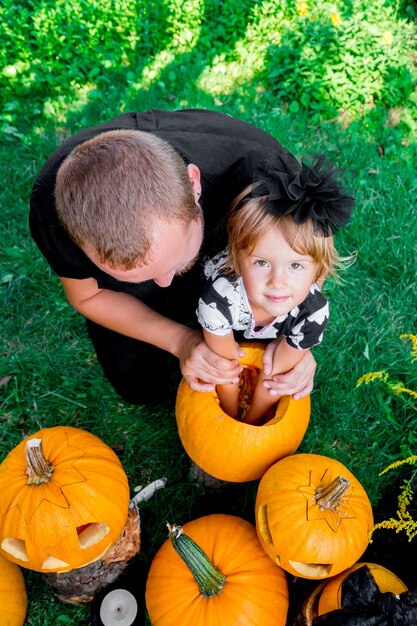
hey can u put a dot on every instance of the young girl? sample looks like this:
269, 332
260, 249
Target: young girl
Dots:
266, 283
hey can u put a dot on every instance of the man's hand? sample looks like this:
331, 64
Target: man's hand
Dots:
202, 368
298, 382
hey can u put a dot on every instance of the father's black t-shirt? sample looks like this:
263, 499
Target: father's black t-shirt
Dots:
226, 150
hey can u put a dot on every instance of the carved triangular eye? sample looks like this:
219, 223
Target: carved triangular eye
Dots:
15, 547
90, 534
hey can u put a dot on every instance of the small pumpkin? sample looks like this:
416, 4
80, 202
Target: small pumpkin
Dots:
231, 450
13, 599
65, 500
327, 596
214, 572
330, 598
313, 516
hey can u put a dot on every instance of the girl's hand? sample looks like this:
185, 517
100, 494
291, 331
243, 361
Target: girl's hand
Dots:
202, 368
299, 381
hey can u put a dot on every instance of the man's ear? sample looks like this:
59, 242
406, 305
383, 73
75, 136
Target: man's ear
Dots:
195, 177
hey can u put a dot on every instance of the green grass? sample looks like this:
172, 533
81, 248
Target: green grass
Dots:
80, 67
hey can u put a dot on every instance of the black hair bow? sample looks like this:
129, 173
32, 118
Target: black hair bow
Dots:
306, 192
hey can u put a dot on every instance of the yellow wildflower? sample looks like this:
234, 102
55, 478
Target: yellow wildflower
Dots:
387, 37
411, 460
413, 339
404, 522
302, 8
405, 498
336, 19
371, 376
398, 388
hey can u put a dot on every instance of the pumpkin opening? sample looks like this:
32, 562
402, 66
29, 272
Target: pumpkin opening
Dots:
15, 547
92, 533
247, 383
263, 524
315, 570
386, 580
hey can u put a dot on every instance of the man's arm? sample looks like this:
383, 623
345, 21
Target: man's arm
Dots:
127, 315
298, 382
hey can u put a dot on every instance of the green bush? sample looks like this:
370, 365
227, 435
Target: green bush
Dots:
52, 49
325, 58
329, 61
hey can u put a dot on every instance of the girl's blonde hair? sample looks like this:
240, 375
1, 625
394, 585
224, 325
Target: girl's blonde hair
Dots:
248, 221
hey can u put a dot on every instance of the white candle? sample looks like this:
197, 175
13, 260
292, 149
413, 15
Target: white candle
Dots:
119, 608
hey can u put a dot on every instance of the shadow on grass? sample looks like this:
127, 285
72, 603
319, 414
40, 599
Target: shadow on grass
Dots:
111, 75
222, 26
292, 78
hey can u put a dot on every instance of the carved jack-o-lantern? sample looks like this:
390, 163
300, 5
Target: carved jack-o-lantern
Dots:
232, 450
313, 516
64, 500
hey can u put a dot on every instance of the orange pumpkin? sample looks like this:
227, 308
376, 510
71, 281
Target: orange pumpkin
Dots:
13, 600
215, 572
331, 596
231, 450
313, 516
65, 500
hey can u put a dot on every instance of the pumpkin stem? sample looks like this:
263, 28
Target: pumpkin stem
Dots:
329, 497
209, 579
38, 469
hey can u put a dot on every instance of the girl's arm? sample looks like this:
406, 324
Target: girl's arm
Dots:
285, 358
225, 346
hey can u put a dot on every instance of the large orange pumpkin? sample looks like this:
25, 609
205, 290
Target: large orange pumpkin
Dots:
13, 600
64, 500
232, 582
313, 516
231, 450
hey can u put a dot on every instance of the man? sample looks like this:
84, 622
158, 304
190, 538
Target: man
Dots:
124, 213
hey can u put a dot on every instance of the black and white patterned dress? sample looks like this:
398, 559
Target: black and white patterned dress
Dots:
223, 306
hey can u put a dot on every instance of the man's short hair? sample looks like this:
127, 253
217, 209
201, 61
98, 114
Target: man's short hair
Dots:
110, 189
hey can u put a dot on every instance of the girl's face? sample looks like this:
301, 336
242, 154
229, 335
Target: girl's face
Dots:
276, 277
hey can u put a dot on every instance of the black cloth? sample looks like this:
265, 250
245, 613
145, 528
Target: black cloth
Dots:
364, 605
227, 151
